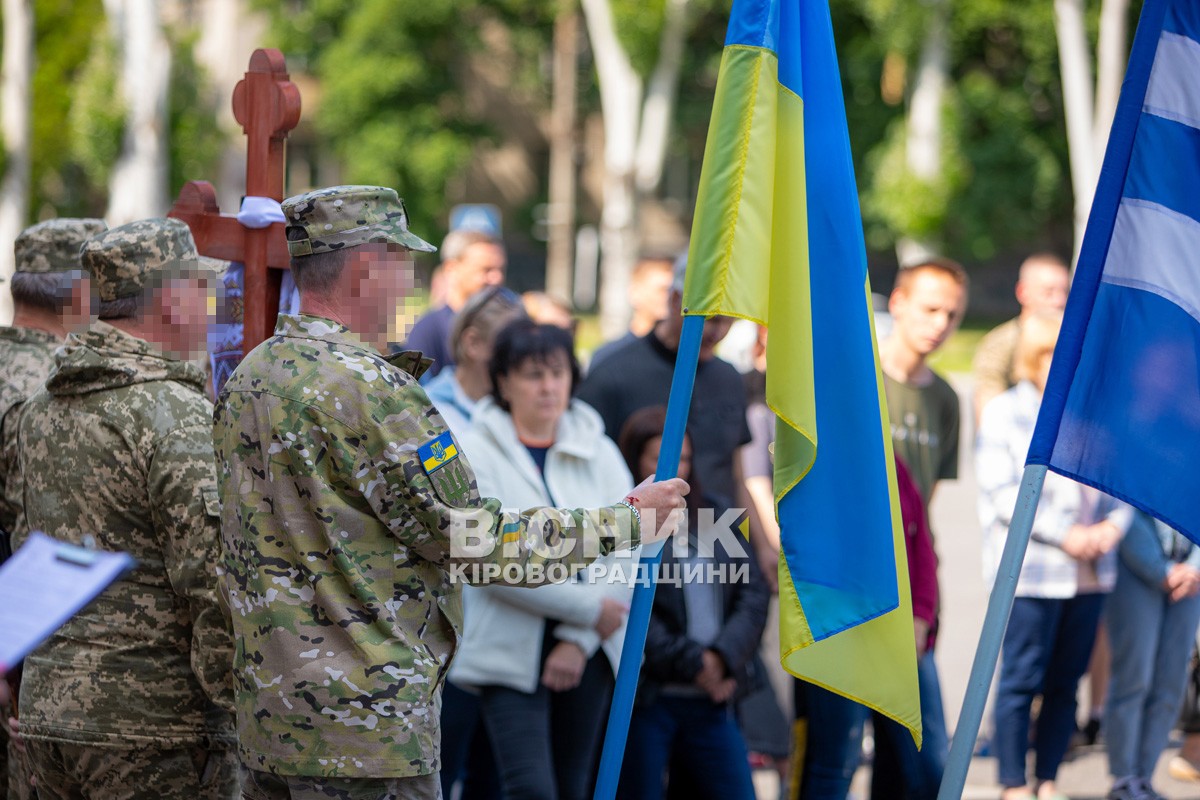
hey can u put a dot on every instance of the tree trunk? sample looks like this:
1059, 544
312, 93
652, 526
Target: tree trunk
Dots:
229, 34
561, 214
1078, 98
660, 99
1112, 54
15, 123
138, 187
620, 101
923, 125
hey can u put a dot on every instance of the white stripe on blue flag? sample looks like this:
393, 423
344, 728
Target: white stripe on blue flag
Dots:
1148, 252
1172, 93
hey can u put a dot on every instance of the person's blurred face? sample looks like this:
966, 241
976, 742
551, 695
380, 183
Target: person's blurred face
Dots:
1043, 288
715, 328
378, 277
649, 292
482, 265
538, 391
648, 463
184, 308
78, 312
927, 311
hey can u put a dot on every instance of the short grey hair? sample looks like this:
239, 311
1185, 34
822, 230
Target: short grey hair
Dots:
122, 307
49, 291
318, 273
455, 245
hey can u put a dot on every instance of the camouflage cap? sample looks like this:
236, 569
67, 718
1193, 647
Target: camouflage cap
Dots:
53, 245
120, 260
346, 216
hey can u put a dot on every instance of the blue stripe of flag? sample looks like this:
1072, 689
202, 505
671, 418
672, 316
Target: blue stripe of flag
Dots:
1161, 142
774, 26
1183, 19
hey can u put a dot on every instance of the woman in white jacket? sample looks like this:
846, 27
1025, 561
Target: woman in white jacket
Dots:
544, 659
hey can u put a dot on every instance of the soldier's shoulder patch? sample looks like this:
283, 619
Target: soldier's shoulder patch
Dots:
437, 453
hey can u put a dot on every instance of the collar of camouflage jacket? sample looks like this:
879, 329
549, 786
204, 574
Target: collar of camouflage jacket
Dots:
104, 357
21, 335
306, 326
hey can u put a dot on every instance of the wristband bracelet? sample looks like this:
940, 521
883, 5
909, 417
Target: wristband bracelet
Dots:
637, 515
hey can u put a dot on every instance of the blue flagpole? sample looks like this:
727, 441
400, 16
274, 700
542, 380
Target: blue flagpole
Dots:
999, 607
643, 594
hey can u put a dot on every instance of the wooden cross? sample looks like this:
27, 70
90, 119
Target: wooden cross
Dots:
267, 105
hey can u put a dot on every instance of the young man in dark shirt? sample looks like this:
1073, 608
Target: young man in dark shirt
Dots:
640, 375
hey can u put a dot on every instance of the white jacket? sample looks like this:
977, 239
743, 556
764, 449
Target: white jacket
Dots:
503, 625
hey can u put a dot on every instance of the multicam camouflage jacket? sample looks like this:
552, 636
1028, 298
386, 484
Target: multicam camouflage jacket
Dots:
26, 357
344, 507
118, 445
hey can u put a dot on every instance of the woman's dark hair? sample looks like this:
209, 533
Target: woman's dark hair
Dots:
642, 427
522, 340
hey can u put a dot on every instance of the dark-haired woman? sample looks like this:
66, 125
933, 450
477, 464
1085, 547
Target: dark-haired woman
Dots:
544, 659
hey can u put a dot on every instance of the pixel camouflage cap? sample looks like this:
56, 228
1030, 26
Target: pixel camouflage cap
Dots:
53, 245
331, 219
121, 260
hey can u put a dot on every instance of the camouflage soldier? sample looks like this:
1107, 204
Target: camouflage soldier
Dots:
132, 697
47, 257
45, 307
346, 508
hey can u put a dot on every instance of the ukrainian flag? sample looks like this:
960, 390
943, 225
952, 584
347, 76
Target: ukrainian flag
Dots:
777, 239
437, 453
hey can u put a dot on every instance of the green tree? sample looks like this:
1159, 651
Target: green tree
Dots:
65, 32
392, 103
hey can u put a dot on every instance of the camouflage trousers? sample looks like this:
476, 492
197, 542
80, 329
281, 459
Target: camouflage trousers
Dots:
265, 786
65, 771
15, 772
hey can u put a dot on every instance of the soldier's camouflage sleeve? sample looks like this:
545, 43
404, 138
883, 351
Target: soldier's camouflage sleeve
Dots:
187, 517
10, 487
412, 467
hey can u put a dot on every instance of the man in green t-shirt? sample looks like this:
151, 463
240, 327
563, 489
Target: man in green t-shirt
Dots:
927, 305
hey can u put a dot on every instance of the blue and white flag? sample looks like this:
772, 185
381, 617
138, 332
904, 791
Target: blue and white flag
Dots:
1122, 406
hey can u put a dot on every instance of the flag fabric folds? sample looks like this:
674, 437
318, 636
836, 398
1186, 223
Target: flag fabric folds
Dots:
1122, 405
777, 238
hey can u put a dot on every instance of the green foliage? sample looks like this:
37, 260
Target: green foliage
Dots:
901, 204
393, 104
64, 32
1005, 182
896, 25
196, 141
639, 27
97, 116
1020, 181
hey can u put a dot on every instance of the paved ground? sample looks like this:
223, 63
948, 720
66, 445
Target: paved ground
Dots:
964, 602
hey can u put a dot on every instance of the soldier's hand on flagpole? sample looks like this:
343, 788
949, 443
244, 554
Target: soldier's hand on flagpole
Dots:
661, 505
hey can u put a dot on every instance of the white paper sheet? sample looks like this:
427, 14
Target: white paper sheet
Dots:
43, 584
